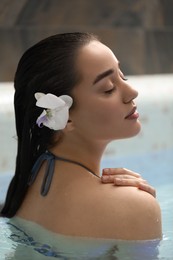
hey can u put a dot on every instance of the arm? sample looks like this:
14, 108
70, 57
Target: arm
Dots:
125, 177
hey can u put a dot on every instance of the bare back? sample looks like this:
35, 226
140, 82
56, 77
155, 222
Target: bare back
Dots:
79, 204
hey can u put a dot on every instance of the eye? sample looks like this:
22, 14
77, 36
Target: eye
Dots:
110, 91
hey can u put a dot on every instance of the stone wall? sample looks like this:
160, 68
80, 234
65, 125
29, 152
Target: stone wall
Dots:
140, 32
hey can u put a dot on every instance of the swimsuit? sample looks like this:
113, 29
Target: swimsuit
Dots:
50, 158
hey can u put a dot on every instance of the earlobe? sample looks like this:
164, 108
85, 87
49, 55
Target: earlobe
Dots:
69, 126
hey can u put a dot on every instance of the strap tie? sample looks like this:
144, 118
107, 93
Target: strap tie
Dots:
50, 158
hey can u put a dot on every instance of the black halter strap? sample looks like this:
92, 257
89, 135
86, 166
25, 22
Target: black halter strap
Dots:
50, 158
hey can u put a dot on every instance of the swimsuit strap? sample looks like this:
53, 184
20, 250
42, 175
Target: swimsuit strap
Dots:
50, 158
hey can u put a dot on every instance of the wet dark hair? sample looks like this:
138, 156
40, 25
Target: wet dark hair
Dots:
47, 67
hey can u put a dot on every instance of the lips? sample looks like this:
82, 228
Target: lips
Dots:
132, 113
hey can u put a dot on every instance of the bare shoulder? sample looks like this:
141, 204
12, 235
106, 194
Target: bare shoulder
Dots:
126, 212
90, 208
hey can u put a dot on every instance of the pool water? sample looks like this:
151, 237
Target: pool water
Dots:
22, 240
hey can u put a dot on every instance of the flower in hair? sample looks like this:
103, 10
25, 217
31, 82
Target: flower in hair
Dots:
56, 110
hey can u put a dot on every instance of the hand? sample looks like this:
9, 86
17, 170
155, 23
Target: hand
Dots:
125, 177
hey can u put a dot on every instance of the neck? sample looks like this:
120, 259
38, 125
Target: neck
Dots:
82, 151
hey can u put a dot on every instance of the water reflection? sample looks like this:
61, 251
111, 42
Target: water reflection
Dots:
30, 241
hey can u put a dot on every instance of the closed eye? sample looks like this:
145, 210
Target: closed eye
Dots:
110, 91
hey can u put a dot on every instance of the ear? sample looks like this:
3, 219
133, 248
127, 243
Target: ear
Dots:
70, 126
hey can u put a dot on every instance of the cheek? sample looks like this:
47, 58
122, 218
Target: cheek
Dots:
106, 117
106, 110
100, 115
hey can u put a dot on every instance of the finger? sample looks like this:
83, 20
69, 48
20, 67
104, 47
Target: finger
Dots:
142, 185
147, 188
125, 178
108, 178
129, 182
120, 171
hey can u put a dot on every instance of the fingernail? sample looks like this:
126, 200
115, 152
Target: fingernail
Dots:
118, 181
105, 178
107, 170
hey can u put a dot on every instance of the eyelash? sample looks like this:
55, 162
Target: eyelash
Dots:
123, 77
110, 91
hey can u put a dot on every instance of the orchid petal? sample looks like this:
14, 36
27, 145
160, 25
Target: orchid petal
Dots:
67, 99
42, 118
58, 119
56, 113
61, 118
50, 101
38, 95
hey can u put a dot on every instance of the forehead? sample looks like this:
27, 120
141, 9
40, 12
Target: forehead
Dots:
95, 58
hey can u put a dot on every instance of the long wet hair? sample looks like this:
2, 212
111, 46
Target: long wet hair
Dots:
47, 67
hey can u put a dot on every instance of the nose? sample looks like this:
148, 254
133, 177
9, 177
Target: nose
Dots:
129, 94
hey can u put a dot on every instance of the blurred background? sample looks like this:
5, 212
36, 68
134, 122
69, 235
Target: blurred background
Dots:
140, 32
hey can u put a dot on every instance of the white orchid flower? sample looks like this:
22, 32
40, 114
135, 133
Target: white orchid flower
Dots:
56, 113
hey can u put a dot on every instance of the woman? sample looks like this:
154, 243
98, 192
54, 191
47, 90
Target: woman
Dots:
71, 100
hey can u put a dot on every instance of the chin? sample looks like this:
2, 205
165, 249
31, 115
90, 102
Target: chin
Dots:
134, 131
127, 133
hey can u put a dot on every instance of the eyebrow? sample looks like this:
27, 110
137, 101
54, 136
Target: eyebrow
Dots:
103, 75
